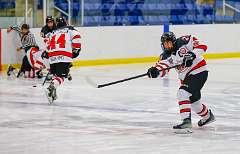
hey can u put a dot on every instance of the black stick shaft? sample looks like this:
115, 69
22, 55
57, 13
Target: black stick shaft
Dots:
123, 80
45, 78
131, 78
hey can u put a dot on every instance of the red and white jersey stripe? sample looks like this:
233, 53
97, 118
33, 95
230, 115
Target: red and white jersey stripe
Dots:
62, 42
197, 46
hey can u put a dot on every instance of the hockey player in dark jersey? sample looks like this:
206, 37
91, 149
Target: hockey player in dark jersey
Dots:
192, 71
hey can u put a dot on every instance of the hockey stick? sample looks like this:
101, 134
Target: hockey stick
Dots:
131, 78
45, 78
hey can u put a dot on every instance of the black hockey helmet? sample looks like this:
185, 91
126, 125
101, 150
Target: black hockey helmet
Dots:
49, 18
25, 26
168, 36
61, 22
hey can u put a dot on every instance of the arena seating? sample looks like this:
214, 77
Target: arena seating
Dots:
143, 12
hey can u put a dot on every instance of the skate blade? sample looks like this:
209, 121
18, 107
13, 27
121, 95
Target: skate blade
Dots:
208, 123
183, 131
212, 121
50, 99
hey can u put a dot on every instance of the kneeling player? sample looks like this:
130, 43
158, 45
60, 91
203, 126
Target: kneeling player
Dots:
30, 63
192, 71
64, 46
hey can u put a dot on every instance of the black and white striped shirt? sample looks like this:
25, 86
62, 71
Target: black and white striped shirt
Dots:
28, 40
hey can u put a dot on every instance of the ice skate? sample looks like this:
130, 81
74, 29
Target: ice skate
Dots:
209, 120
184, 128
51, 93
69, 77
10, 70
20, 74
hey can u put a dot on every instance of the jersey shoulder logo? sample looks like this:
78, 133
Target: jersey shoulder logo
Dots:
182, 51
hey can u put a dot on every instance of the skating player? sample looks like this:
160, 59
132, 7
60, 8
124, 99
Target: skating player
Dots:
46, 33
29, 63
186, 52
63, 47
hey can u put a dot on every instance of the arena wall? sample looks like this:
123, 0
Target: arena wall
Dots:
0, 50
131, 44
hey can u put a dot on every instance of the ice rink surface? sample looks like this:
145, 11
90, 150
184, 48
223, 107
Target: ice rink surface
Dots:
134, 117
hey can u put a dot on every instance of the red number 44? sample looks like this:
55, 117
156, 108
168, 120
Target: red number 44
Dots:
60, 41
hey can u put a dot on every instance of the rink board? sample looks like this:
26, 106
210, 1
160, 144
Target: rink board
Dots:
131, 44
82, 63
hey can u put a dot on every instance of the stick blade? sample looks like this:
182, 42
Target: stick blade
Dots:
99, 86
91, 82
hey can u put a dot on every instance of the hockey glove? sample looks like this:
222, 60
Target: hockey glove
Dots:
76, 52
188, 59
153, 72
45, 55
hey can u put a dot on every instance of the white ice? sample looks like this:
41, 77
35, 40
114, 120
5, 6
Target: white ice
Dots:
134, 117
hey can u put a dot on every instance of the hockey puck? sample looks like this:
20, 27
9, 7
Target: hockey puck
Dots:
34, 86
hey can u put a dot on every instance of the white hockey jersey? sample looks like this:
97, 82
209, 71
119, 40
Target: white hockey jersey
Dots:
184, 45
62, 42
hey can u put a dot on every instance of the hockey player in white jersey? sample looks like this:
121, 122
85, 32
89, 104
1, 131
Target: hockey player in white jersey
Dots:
192, 71
63, 47
46, 33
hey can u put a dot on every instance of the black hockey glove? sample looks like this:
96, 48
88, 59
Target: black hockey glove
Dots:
188, 59
45, 55
153, 72
76, 52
